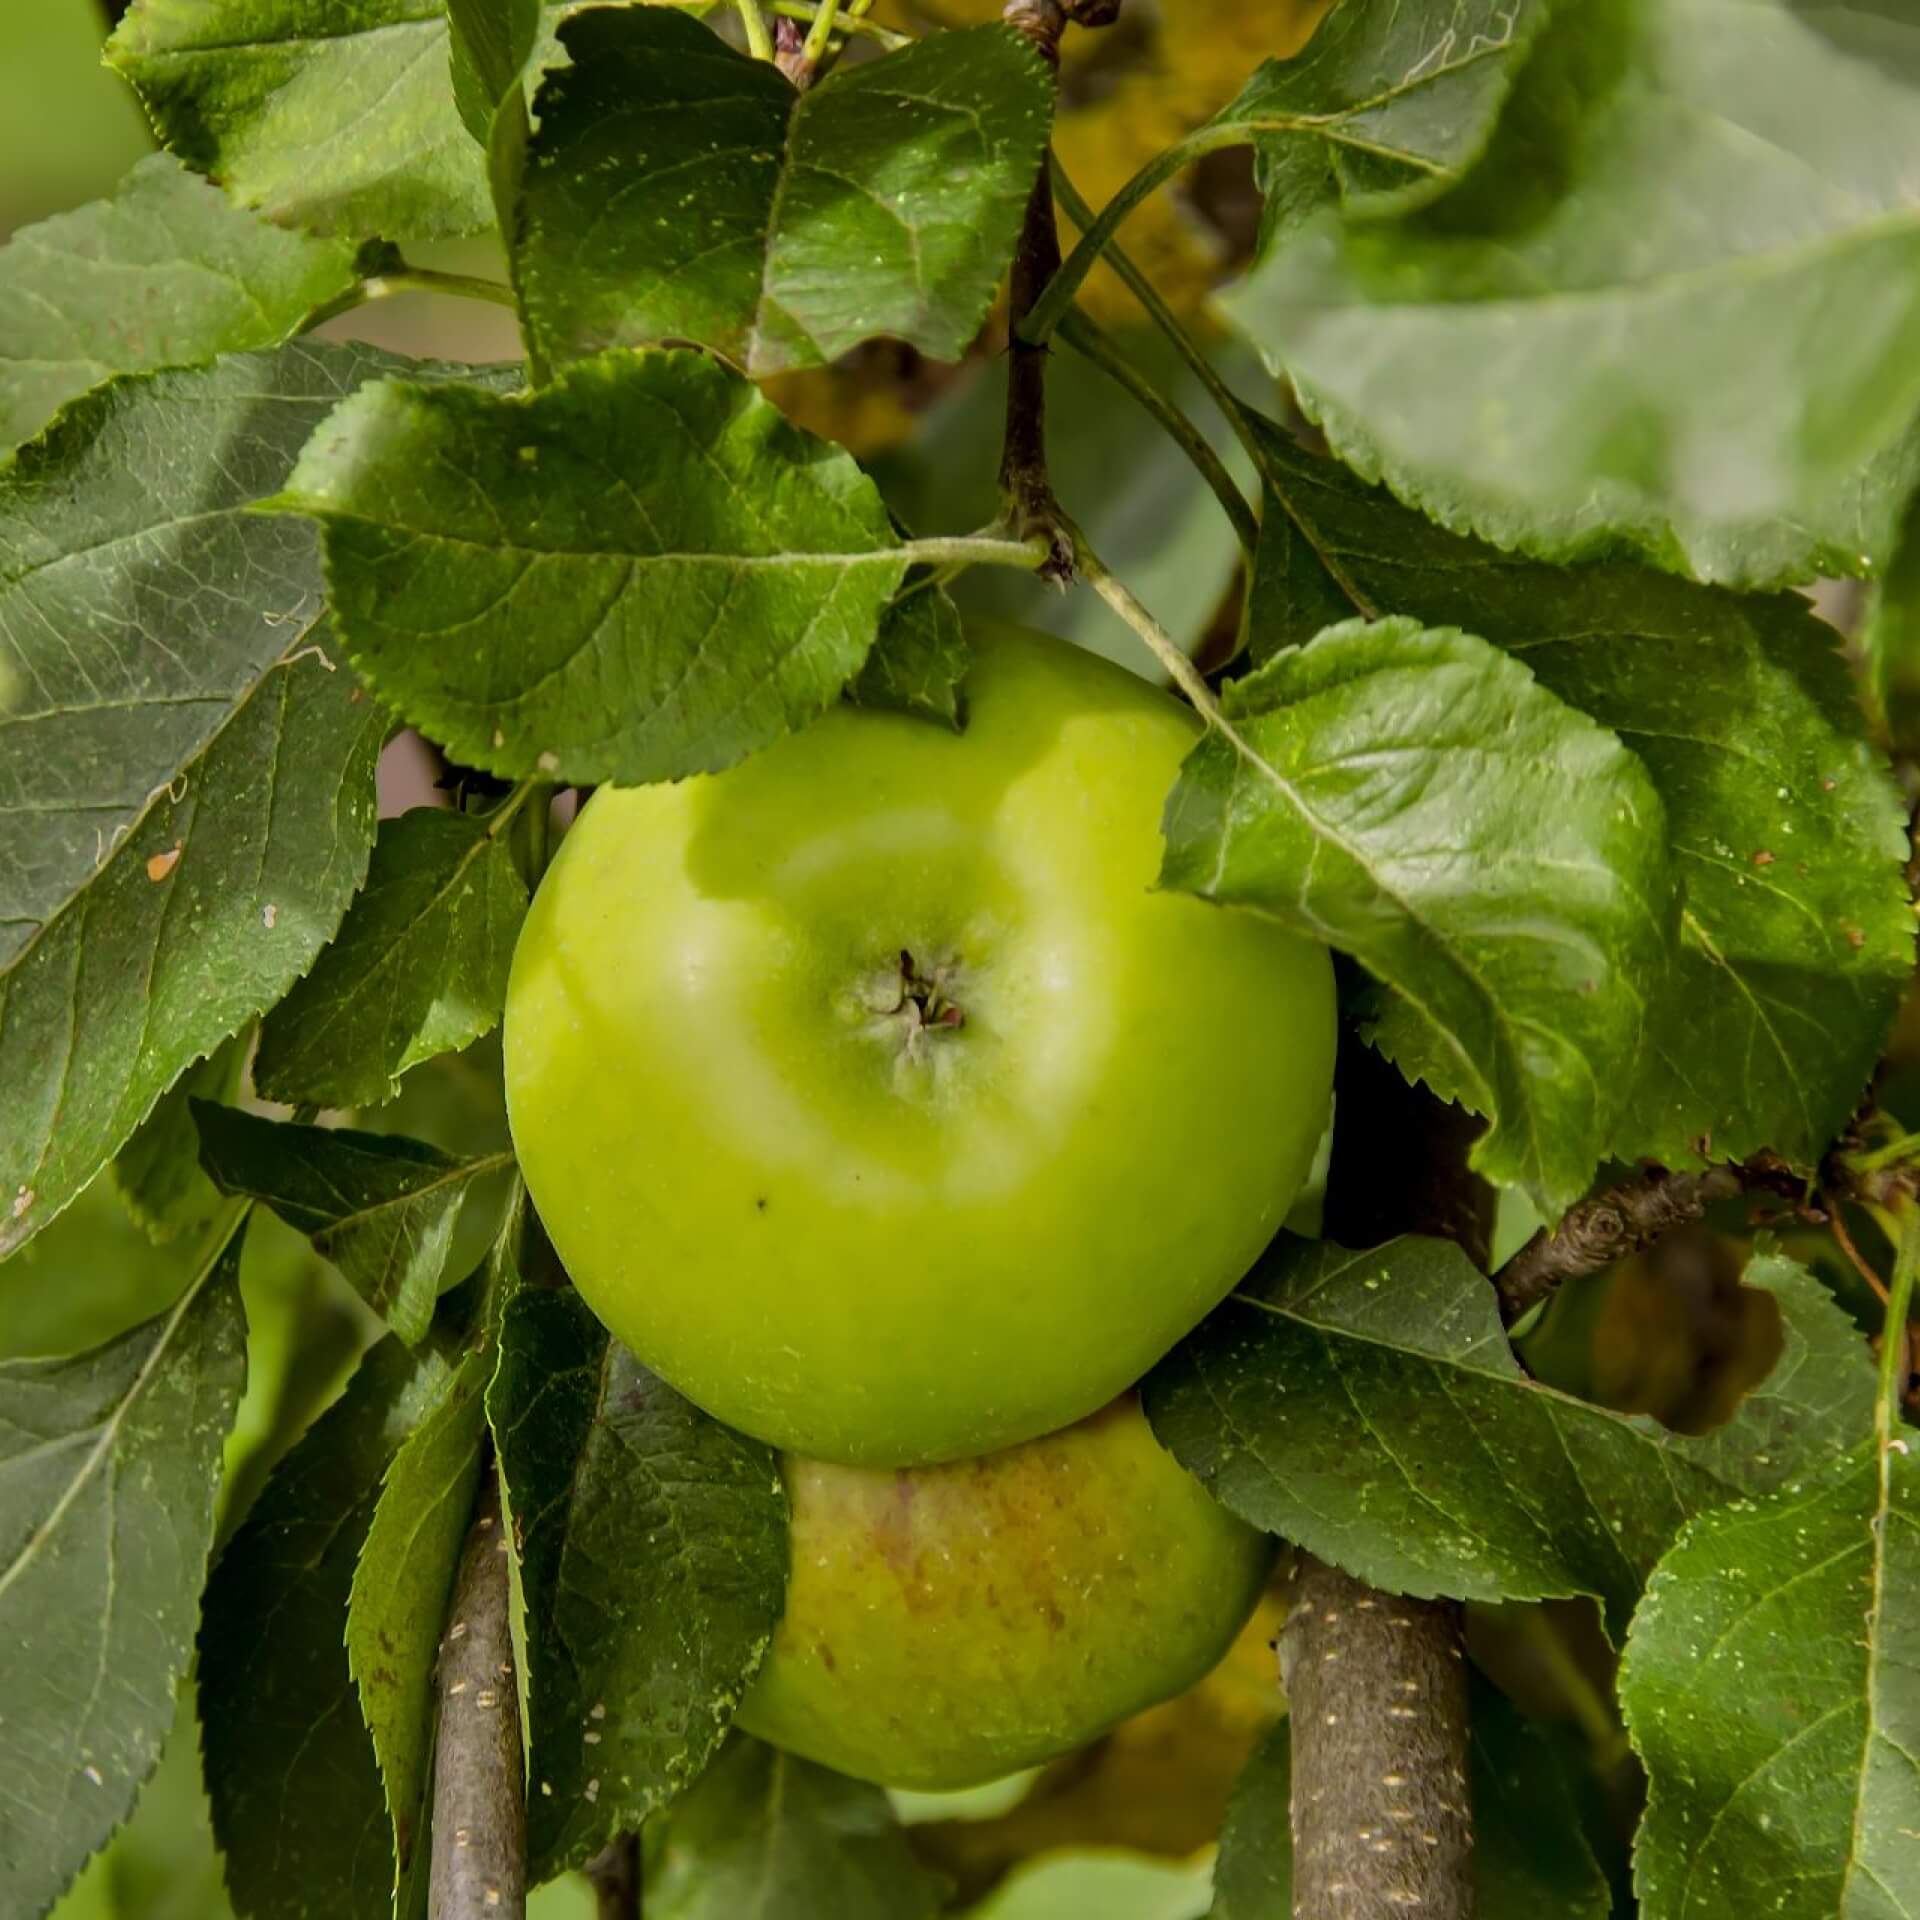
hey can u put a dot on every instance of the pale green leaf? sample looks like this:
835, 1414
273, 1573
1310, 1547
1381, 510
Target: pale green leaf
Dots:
418, 968
1368, 1407
676, 189
1383, 108
759, 1819
109, 1463
401, 1589
1770, 1687
1418, 800
1788, 838
380, 1206
167, 273
1676, 303
653, 1560
639, 572
298, 1805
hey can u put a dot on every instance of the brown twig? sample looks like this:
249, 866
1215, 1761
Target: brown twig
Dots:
1624, 1220
1024, 483
1382, 1821
479, 1812
615, 1872
1837, 1226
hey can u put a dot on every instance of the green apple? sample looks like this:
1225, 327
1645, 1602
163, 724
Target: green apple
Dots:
947, 1625
873, 1095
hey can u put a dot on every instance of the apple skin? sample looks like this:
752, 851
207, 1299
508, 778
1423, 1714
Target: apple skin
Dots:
857, 1235
948, 1625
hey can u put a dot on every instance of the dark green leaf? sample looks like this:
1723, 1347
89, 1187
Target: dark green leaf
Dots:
186, 787
165, 274
759, 1819
1890, 634
1418, 800
653, 1564
109, 1463
646, 570
1530, 1857
1676, 303
298, 1807
1383, 108
919, 659
1770, 1687
1367, 1406
340, 117
676, 189
401, 1588
158, 1171
1796, 939
381, 1207
418, 968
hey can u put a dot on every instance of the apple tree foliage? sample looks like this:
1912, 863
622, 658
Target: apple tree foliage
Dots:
1591, 335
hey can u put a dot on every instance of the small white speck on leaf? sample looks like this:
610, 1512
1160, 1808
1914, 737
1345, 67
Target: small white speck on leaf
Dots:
548, 762
268, 915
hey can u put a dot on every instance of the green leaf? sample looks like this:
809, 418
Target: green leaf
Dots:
1367, 1406
1676, 304
919, 659
186, 787
167, 273
381, 1207
418, 968
1890, 633
401, 1589
1418, 800
653, 1560
639, 572
158, 1171
1769, 1686
489, 44
298, 1805
1530, 1856
676, 189
109, 1463
758, 1819
1384, 107
321, 114
1788, 838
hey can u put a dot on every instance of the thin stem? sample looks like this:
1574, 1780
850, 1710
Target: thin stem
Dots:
814, 50
1895, 1363
1091, 341
980, 550
1096, 231
1163, 317
1837, 1226
849, 21
759, 40
383, 286
1088, 566
502, 815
